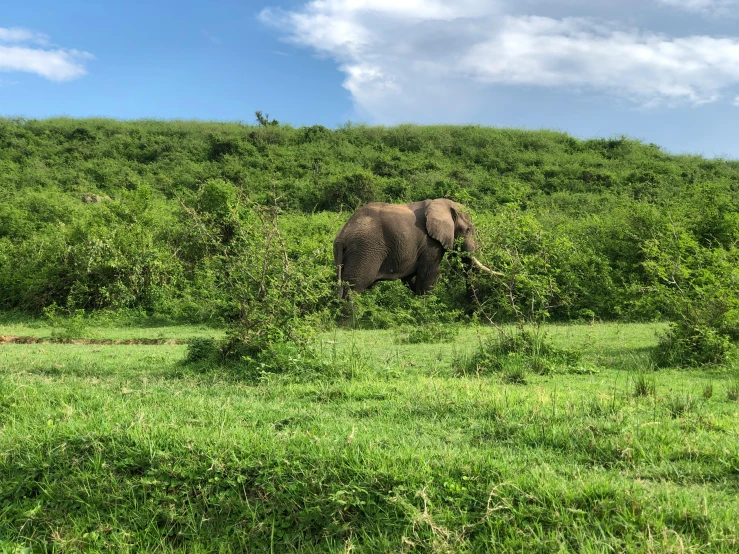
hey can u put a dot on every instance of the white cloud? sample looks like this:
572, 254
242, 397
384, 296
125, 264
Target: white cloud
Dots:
17, 34
575, 53
390, 49
400, 9
711, 7
55, 64
736, 101
404, 60
350, 27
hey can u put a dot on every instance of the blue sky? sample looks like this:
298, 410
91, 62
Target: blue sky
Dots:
663, 71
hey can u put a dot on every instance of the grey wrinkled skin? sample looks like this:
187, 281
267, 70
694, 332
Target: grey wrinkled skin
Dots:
383, 242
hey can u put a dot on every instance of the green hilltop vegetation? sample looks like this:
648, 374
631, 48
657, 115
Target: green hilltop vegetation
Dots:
95, 213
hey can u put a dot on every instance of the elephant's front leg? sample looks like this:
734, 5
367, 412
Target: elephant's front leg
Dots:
429, 267
409, 281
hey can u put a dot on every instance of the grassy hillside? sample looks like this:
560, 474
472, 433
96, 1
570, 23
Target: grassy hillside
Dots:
92, 213
317, 168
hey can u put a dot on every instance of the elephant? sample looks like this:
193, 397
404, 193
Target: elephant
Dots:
383, 242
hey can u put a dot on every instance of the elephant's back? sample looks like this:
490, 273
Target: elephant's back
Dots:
372, 228
384, 210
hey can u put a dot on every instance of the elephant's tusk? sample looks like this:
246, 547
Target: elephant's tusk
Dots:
486, 269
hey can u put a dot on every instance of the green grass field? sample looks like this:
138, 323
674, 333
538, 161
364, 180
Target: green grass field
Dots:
124, 448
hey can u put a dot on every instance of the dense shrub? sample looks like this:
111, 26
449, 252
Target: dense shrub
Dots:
696, 288
698, 345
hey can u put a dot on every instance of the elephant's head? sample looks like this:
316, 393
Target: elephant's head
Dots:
447, 222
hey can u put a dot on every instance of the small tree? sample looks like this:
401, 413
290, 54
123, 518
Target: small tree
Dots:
530, 259
264, 120
257, 275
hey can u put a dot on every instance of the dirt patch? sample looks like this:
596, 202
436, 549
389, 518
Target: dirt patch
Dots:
18, 339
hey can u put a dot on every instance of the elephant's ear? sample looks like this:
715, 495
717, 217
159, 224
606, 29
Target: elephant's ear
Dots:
440, 222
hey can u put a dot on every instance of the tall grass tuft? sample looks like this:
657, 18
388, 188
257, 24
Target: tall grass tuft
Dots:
679, 405
644, 386
510, 352
732, 392
431, 333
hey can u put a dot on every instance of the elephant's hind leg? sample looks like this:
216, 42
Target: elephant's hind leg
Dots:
361, 276
355, 278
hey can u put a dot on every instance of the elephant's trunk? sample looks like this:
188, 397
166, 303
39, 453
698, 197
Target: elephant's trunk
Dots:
481, 267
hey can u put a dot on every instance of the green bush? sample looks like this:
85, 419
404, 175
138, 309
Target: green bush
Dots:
693, 346
391, 304
201, 349
350, 191
697, 288
70, 326
288, 361
514, 353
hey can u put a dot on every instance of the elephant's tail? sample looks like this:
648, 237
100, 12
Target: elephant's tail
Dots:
339, 262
